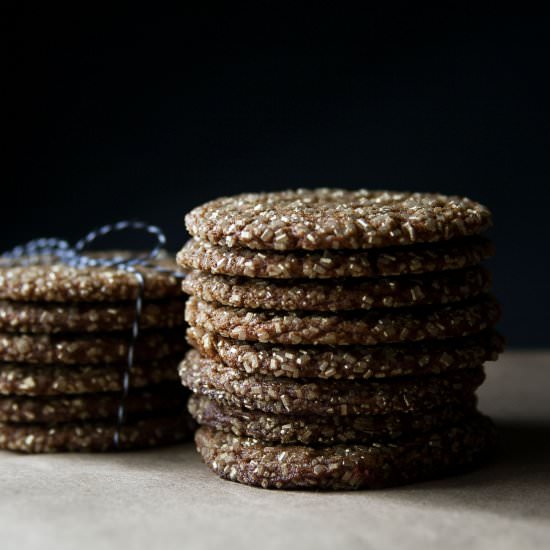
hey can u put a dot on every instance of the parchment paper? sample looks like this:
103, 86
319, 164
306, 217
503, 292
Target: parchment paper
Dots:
168, 499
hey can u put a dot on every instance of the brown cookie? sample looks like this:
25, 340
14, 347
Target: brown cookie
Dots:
335, 219
234, 387
95, 436
339, 294
314, 430
93, 406
87, 317
350, 362
345, 467
88, 349
345, 328
56, 282
333, 264
34, 380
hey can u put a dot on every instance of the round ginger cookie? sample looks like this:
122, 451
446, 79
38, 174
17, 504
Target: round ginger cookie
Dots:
314, 430
345, 328
88, 349
334, 264
344, 467
339, 294
29, 317
350, 362
34, 380
234, 387
95, 436
92, 406
335, 219
47, 280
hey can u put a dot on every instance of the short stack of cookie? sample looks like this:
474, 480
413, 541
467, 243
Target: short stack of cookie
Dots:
339, 336
65, 334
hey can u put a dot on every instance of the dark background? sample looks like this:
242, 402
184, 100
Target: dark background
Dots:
144, 115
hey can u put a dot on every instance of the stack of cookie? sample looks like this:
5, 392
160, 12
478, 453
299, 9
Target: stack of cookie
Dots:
64, 343
338, 336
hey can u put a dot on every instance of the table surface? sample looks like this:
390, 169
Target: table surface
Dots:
168, 499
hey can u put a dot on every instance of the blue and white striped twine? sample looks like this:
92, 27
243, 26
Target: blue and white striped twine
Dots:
73, 256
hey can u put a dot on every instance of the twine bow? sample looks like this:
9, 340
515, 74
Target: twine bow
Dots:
74, 256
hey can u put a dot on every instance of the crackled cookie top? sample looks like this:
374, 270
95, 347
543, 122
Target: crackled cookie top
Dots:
335, 219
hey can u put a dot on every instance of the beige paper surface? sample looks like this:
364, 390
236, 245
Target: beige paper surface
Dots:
167, 499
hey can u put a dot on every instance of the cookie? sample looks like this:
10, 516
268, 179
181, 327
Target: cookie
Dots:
350, 362
345, 328
370, 466
334, 264
340, 294
56, 282
90, 406
95, 436
314, 430
34, 380
325, 397
88, 349
87, 317
335, 219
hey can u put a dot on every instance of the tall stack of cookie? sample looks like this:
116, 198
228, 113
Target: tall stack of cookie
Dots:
339, 336
64, 343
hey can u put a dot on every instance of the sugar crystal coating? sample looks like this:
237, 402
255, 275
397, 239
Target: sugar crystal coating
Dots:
325, 397
356, 322
42, 317
51, 281
65, 337
344, 328
316, 429
349, 362
17, 379
335, 219
334, 467
88, 349
331, 264
95, 436
339, 294
65, 408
